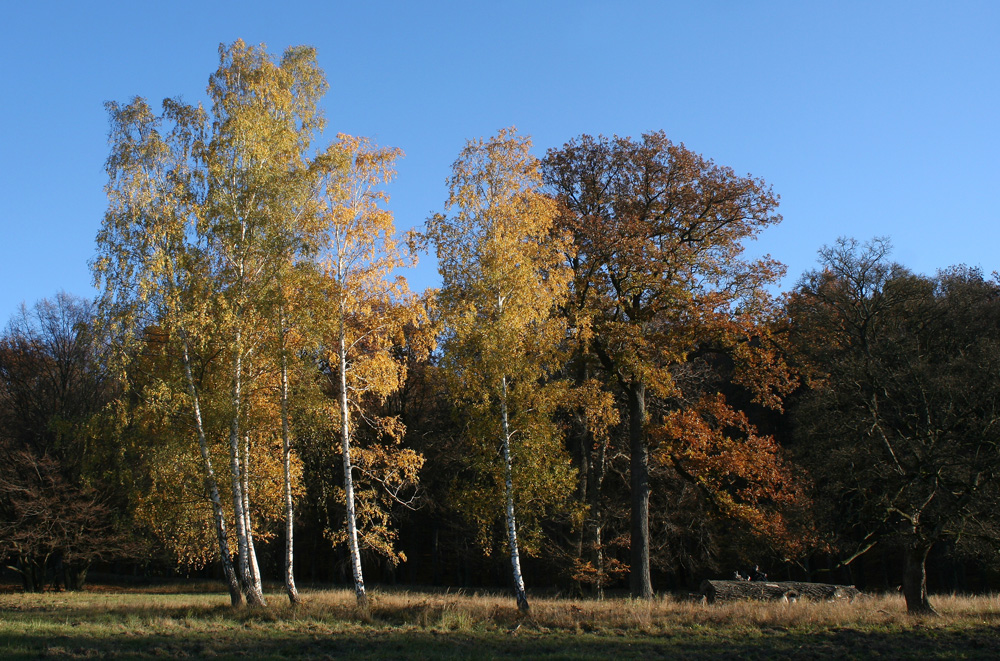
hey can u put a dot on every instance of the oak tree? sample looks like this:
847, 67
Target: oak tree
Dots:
658, 276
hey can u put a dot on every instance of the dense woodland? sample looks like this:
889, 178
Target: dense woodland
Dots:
605, 393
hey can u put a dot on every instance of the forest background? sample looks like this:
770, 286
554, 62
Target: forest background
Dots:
900, 71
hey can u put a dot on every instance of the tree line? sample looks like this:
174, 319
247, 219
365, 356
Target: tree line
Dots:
603, 389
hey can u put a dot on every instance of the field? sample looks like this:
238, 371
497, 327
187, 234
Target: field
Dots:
184, 622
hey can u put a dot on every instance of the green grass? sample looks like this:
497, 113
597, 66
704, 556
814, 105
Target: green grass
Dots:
169, 623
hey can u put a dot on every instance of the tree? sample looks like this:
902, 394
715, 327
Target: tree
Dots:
900, 418
285, 313
50, 525
202, 220
54, 515
658, 232
264, 115
502, 280
367, 310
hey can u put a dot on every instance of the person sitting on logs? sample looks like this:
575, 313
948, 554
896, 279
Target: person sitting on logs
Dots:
757, 574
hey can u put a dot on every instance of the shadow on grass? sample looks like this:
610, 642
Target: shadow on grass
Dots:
975, 643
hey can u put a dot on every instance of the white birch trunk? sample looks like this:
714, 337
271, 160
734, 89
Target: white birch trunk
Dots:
235, 592
515, 556
286, 450
252, 551
345, 431
254, 596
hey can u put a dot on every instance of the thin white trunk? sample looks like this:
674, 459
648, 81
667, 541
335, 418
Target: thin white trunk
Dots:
254, 567
254, 596
515, 556
345, 432
235, 593
286, 450
244, 485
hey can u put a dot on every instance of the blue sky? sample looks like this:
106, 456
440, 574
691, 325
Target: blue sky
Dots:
868, 118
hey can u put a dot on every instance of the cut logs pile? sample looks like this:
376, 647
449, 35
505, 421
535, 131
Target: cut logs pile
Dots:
713, 591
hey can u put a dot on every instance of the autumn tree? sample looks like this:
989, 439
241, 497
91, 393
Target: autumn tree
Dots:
54, 503
205, 211
361, 316
264, 117
899, 421
502, 279
658, 281
287, 316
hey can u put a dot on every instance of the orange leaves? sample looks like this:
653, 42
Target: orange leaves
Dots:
742, 472
668, 309
761, 368
658, 231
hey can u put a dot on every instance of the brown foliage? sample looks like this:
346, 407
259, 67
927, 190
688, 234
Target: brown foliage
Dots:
661, 298
48, 524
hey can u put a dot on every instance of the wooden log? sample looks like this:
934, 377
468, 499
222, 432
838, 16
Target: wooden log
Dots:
775, 591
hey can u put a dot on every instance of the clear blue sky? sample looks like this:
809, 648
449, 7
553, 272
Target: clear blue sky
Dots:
868, 118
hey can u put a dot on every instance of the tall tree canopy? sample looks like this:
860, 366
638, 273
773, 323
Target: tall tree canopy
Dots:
258, 264
659, 280
502, 281
206, 209
360, 324
900, 421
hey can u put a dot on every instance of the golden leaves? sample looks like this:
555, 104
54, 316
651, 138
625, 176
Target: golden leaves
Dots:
503, 279
500, 261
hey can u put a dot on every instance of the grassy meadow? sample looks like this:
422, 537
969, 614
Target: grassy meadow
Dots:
184, 622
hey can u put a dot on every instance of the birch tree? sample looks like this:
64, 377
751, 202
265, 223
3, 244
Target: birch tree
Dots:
264, 115
501, 281
365, 308
206, 210
284, 313
146, 267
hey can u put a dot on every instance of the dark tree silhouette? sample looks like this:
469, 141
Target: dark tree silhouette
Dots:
901, 422
53, 523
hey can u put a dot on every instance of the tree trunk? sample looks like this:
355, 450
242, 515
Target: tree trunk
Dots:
254, 596
590, 456
286, 456
32, 578
640, 580
345, 433
595, 520
232, 581
515, 556
258, 580
75, 575
592, 462
915, 579
436, 553
581, 440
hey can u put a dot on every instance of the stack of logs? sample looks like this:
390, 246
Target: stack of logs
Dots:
712, 591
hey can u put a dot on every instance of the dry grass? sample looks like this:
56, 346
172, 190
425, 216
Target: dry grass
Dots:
170, 622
